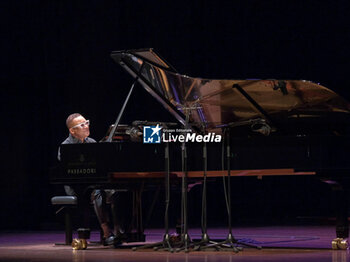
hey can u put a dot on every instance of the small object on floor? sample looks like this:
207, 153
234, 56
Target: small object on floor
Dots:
340, 243
81, 242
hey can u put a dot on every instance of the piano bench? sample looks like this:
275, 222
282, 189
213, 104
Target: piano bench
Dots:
66, 203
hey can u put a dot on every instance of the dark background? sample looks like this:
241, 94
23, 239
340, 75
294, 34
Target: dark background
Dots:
55, 60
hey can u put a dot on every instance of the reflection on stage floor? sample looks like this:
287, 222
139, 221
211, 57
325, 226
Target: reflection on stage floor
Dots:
280, 243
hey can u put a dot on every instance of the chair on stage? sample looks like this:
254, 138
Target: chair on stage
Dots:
66, 204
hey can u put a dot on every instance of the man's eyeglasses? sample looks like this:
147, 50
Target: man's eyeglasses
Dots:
81, 125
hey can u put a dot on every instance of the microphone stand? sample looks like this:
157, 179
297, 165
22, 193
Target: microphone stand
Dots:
205, 238
165, 243
185, 239
231, 241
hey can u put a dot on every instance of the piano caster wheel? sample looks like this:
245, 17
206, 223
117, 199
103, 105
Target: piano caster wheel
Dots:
79, 244
340, 243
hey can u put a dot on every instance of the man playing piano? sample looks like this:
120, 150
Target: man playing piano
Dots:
79, 132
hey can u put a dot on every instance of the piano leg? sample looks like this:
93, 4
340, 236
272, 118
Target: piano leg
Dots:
342, 225
138, 235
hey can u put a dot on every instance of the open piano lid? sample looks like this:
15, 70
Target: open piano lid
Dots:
210, 103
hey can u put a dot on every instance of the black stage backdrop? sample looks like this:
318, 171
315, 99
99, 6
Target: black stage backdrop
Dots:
56, 60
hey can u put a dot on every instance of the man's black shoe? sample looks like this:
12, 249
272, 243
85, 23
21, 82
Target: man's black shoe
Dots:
117, 242
120, 239
109, 240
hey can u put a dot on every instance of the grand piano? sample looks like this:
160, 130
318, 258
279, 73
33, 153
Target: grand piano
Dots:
273, 127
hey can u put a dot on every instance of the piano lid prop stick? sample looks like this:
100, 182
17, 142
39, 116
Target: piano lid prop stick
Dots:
110, 136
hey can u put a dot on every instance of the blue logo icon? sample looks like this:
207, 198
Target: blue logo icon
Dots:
152, 134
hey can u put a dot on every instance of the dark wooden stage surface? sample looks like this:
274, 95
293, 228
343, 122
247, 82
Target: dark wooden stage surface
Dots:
280, 243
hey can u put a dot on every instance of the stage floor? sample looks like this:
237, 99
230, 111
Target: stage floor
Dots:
280, 243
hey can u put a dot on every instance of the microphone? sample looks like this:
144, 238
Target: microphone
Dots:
261, 128
134, 133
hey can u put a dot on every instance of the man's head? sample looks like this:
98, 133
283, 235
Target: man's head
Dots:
78, 126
